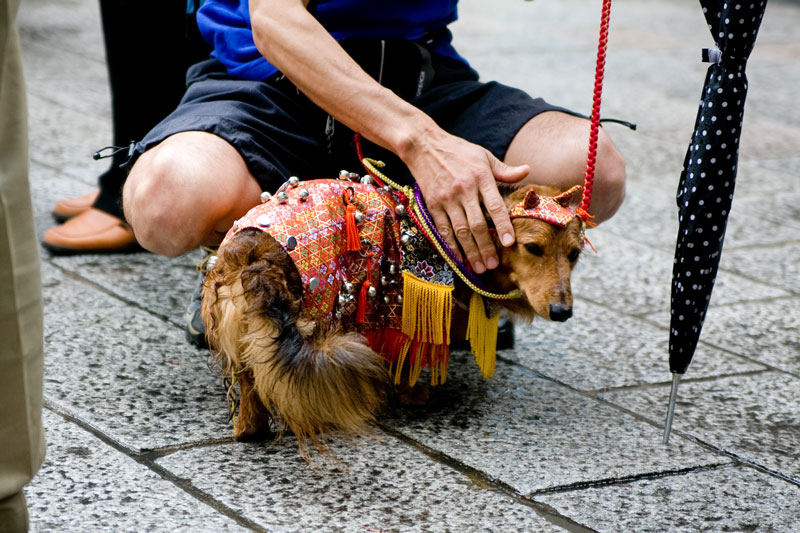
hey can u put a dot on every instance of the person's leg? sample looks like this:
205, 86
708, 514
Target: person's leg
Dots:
555, 146
21, 350
187, 191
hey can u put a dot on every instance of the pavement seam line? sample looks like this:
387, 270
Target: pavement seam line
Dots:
145, 460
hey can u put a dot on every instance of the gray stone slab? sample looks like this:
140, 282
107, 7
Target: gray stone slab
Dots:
86, 485
652, 219
125, 372
755, 417
71, 25
159, 284
636, 279
65, 139
600, 349
778, 264
724, 499
533, 434
768, 332
369, 485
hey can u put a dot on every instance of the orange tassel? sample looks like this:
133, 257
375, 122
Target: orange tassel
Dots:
351, 227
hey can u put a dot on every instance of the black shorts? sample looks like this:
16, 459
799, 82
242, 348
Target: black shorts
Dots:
279, 132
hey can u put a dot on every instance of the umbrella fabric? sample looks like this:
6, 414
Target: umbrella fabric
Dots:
705, 190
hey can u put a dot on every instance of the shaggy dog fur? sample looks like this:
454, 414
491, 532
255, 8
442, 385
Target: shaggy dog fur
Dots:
316, 378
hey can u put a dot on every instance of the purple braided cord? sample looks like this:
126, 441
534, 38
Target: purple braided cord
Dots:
460, 264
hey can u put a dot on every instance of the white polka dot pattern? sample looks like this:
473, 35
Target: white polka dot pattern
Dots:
705, 191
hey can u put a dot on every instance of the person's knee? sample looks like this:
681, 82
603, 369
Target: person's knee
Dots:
152, 201
609, 177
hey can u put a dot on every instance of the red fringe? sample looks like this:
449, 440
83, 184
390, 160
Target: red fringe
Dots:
361, 314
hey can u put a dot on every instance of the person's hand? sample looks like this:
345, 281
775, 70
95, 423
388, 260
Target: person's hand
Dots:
455, 177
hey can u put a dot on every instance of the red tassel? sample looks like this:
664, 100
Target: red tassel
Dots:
361, 315
351, 227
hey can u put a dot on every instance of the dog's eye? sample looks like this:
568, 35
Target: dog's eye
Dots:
535, 249
573, 255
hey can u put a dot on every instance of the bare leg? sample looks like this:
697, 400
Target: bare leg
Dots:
187, 191
554, 144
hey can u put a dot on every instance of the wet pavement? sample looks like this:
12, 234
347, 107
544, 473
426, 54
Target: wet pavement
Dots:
566, 436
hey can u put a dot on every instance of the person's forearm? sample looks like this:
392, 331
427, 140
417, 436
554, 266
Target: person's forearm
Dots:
291, 39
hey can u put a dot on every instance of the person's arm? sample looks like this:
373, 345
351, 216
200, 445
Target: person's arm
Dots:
455, 176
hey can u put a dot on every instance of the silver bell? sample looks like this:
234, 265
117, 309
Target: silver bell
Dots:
303, 194
313, 284
354, 176
343, 175
367, 180
210, 262
392, 268
262, 220
236, 224
398, 298
400, 209
347, 287
384, 281
387, 299
265, 196
372, 292
282, 197
293, 181
359, 217
405, 238
291, 243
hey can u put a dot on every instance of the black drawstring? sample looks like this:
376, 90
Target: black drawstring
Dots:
630, 125
116, 149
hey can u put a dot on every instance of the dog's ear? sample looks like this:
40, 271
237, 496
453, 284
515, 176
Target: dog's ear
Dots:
571, 196
531, 199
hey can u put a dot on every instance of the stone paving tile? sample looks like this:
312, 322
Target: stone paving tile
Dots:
70, 25
725, 499
159, 284
533, 435
125, 372
655, 219
65, 139
768, 332
369, 486
776, 264
86, 485
601, 349
755, 417
636, 279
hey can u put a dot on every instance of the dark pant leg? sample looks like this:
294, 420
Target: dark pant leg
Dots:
149, 46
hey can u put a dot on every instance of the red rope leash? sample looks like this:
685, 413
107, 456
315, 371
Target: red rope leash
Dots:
591, 157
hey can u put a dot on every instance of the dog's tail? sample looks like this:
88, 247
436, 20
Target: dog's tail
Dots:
311, 378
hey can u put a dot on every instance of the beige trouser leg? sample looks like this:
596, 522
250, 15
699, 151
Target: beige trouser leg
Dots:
21, 438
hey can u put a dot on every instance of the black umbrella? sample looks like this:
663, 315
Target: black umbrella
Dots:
705, 191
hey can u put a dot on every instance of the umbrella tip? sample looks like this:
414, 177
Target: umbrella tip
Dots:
673, 395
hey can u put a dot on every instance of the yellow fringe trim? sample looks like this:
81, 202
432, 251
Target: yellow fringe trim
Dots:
427, 310
482, 335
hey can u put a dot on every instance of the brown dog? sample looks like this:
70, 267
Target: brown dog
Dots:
315, 373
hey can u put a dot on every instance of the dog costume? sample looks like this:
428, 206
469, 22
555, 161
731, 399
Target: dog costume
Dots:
365, 265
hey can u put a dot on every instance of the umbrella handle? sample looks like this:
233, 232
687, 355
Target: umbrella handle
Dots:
673, 396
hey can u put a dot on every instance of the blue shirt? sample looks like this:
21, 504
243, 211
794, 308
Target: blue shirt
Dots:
225, 24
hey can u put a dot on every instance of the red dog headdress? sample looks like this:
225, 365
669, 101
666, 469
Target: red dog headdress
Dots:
553, 209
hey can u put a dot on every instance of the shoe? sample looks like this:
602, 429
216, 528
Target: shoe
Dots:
71, 207
505, 336
192, 318
93, 231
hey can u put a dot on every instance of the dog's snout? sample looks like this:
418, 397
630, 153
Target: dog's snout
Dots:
560, 313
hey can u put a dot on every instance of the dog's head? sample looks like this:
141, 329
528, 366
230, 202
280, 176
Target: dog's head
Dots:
546, 250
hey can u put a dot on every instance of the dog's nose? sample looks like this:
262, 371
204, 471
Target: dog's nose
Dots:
560, 313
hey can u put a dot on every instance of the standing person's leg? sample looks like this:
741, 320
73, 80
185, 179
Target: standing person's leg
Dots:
147, 58
21, 352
